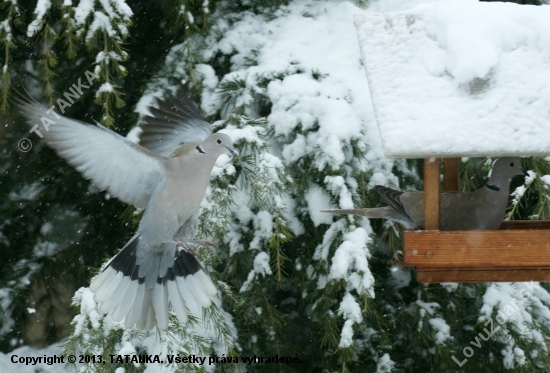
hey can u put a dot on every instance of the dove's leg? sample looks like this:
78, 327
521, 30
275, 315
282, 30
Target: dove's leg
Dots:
185, 246
183, 237
190, 245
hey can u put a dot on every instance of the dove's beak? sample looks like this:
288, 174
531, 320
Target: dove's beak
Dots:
232, 152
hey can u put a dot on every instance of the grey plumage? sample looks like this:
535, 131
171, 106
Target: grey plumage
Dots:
172, 124
482, 209
167, 175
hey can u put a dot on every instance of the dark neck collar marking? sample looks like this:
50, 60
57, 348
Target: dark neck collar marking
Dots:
200, 149
492, 187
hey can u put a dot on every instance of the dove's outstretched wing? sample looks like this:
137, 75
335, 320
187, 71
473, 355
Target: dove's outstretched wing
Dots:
128, 171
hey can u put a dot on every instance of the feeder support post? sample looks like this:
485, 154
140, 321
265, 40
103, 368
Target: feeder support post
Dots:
431, 193
451, 169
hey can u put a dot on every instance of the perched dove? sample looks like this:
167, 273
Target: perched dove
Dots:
167, 175
482, 209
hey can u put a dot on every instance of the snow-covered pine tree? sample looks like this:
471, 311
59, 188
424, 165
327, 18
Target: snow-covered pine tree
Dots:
285, 81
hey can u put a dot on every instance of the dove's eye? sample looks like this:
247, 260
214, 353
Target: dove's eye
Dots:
511, 164
219, 141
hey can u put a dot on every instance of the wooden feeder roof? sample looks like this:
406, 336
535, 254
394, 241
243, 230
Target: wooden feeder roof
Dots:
455, 79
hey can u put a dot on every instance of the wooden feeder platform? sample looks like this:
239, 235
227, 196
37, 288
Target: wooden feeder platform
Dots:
518, 251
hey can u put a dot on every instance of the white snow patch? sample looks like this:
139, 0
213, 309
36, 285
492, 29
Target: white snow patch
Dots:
546, 180
317, 200
351, 311
385, 364
83, 10
105, 87
263, 224
261, 267
350, 262
46, 228
42, 6
442, 333
100, 22
454, 72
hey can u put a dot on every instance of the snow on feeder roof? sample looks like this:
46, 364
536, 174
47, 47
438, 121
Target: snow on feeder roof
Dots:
460, 78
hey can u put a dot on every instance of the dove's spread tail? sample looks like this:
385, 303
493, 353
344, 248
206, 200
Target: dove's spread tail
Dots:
137, 285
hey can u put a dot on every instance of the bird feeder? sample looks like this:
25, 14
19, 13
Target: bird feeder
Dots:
437, 95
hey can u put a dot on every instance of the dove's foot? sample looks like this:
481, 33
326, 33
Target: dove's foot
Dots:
204, 243
184, 245
190, 246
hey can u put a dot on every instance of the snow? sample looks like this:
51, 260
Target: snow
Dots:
109, 9
209, 78
46, 248
318, 200
338, 186
85, 7
261, 267
100, 22
249, 134
42, 6
427, 307
27, 192
350, 261
385, 364
522, 305
442, 333
82, 11
351, 311
105, 87
46, 228
263, 224
546, 180
123, 9
455, 72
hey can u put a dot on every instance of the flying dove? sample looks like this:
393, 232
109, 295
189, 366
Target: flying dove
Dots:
482, 209
167, 175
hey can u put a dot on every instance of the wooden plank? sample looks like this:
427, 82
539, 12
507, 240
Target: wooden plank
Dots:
431, 193
451, 173
525, 224
477, 249
484, 275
